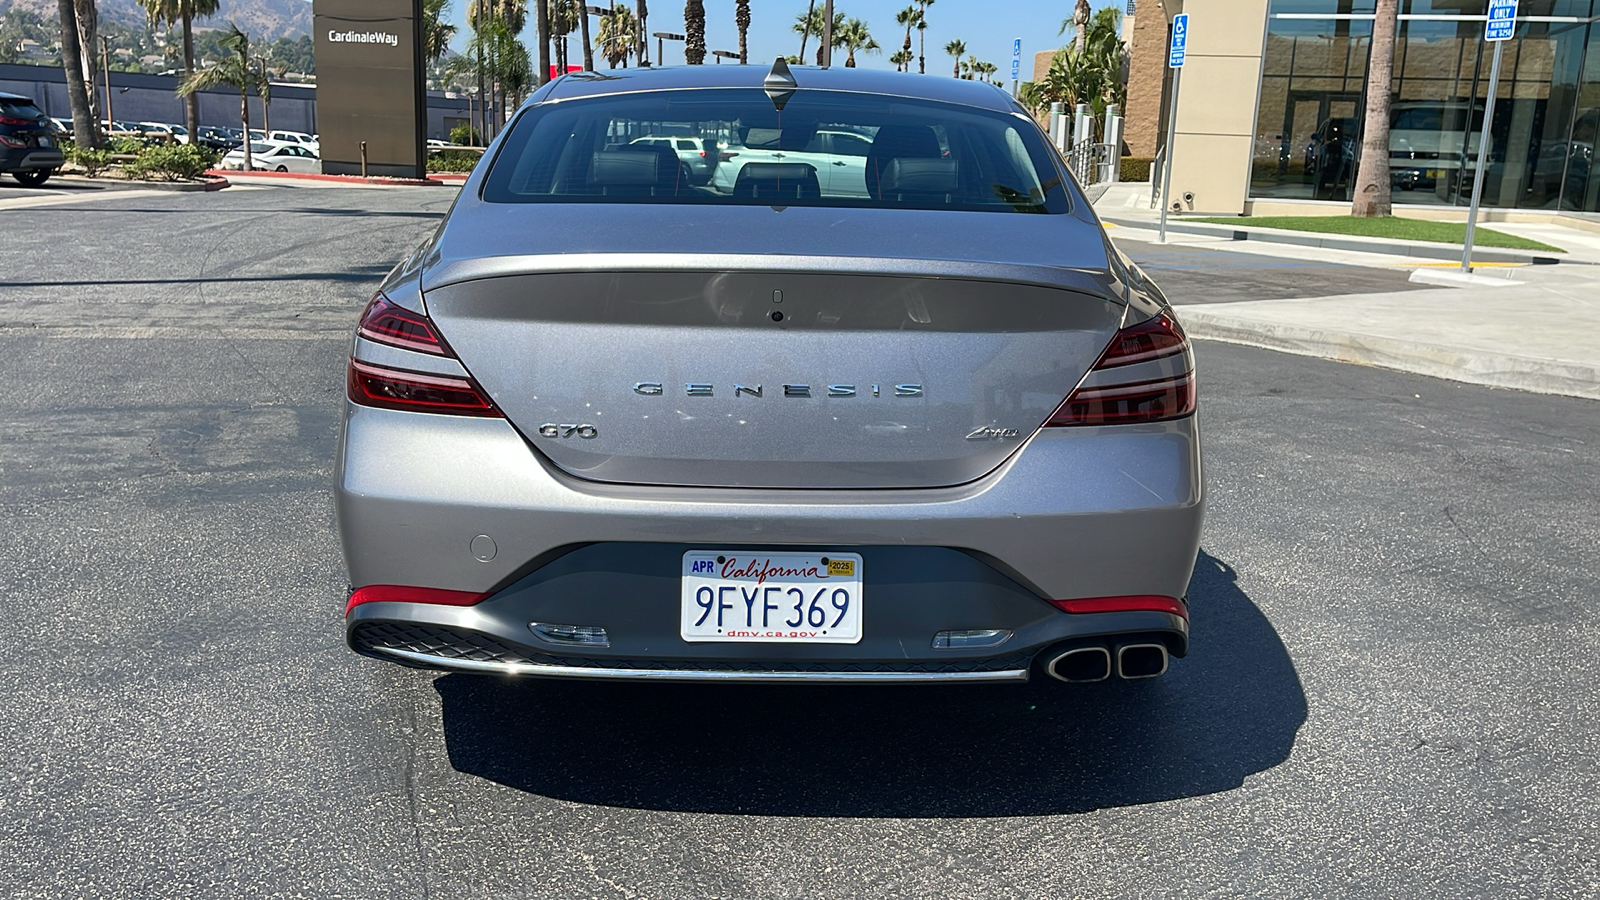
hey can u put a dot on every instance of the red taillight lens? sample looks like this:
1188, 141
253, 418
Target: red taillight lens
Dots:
1139, 603
386, 388
400, 593
13, 142
13, 120
1131, 402
1153, 339
397, 326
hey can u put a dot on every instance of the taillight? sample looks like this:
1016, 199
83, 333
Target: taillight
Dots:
1136, 603
13, 142
397, 326
13, 120
398, 593
387, 388
726, 155
1130, 402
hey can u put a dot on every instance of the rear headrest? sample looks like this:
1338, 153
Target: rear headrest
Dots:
794, 180
623, 167
907, 141
920, 176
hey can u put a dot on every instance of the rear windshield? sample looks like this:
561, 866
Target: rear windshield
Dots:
823, 148
20, 109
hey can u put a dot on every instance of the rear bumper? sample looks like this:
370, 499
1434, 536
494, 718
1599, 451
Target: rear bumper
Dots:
464, 504
26, 159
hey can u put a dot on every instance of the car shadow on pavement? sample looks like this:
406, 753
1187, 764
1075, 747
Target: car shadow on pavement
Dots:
1229, 710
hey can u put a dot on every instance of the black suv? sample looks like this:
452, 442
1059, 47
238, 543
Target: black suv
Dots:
29, 150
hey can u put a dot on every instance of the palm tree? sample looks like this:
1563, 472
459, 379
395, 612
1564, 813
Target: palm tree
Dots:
617, 36
922, 36
1373, 191
643, 17
907, 17
812, 24
741, 18
85, 133
437, 31
853, 36
583, 26
901, 59
184, 12
811, 8
542, 17
563, 18
956, 48
694, 32
233, 69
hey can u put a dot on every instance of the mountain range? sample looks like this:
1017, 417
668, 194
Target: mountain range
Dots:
263, 20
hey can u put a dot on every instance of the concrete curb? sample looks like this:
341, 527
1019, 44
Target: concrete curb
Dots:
214, 183
317, 176
1422, 249
1543, 376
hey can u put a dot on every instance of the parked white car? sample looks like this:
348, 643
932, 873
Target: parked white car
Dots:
839, 157
296, 137
274, 156
175, 132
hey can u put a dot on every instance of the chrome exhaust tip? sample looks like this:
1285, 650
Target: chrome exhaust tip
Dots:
1081, 664
1141, 660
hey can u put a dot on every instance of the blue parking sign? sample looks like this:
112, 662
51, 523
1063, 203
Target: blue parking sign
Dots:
1502, 20
1180, 40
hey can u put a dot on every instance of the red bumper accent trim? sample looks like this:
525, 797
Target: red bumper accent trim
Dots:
1141, 603
399, 593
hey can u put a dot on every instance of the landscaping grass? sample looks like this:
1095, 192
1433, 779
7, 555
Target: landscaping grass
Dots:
1387, 227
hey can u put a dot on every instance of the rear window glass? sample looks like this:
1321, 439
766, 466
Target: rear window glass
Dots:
19, 109
824, 148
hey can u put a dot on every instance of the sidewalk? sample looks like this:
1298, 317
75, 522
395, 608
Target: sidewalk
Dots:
1531, 328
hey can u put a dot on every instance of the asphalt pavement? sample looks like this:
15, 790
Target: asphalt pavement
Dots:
1391, 689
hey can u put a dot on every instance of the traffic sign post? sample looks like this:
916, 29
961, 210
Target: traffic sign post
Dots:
1016, 65
1500, 25
1175, 54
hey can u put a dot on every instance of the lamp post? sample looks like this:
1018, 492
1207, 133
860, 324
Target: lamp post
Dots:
105, 66
661, 38
724, 54
266, 99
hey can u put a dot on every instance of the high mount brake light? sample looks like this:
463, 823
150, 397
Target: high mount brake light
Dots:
1133, 402
387, 388
397, 326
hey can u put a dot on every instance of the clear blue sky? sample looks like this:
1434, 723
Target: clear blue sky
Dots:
987, 26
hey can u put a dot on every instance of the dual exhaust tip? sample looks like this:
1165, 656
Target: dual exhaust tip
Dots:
1095, 662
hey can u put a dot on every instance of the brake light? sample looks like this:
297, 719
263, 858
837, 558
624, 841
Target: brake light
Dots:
1139, 603
13, 120
387, 388
397, 326
399, 593
726, 155
1135, 401
13, 142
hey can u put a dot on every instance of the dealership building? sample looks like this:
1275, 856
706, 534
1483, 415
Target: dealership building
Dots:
1271, 106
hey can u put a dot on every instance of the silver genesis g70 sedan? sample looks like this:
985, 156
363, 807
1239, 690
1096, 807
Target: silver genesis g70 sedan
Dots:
877, 401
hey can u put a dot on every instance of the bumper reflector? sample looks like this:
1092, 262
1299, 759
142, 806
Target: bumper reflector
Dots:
1139, 603
965, 640
578, 635
398, 593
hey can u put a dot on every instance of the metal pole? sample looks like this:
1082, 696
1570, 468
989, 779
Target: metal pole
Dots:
827, 34
1166, 163
105, 66
1483, 156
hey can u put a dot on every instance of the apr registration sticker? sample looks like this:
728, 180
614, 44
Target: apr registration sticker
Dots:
776, 598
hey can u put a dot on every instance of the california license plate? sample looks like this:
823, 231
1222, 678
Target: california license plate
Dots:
771, 598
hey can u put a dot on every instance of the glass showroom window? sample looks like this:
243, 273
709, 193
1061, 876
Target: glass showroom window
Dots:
1311, 113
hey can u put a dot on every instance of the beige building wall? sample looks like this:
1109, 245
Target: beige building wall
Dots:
1147, 53
1217, 102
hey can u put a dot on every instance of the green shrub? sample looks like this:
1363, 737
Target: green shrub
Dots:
126, 145
170, 162
92, 161
1136, 168
453, 160
464, 134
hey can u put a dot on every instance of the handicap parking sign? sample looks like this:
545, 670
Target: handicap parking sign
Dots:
1502, 20
1180, 40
